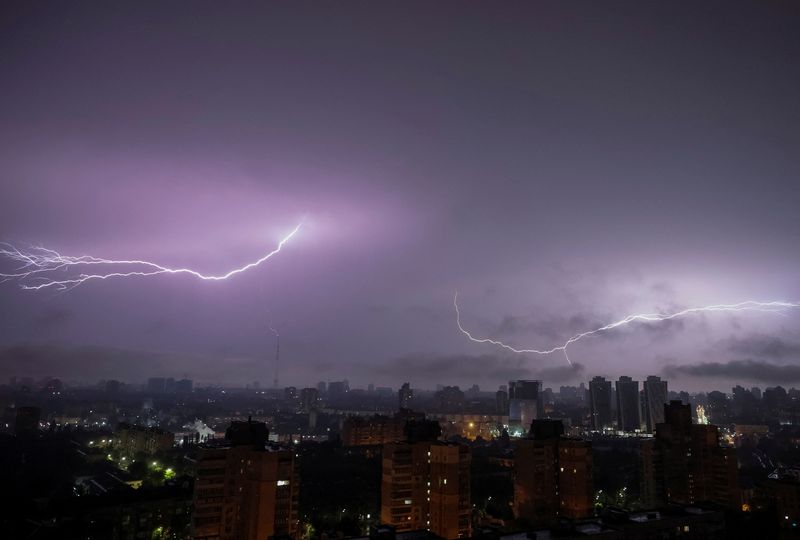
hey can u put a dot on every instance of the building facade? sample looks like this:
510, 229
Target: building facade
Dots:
600, 403
552, 475
245, 488
655, 397
426, 485
629, 416
133, 439
525, 403
685, 463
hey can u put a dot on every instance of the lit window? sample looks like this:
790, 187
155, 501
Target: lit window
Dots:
283, 482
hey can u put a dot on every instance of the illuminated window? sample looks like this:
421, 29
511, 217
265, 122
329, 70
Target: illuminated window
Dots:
283, 482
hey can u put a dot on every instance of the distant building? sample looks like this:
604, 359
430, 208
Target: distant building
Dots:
134, 439
185, 386
501, 402
309, 399
655, 397
377, 429
338, 389
113, 387
552, 475
156, 385
450, 399
426, 485
600, 403
246, 488
525, 403
685, 463
628, 405
404, 396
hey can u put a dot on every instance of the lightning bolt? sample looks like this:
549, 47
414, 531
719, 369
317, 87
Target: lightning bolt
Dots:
38, 264
749, 305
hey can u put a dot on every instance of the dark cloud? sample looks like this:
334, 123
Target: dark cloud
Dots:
51, 318
558, 329
465, 369
560, 374
763, 346
744, 370
81, 362
89, 363
559, 177
552, 328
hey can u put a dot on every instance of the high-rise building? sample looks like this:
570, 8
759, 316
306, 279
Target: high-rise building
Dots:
524, 403
426, 484
655, 397
309, 399
245, 487
337, 389
600, 403
628, 406
552, 475
450, 399
156, 385
404, 396
501, 401
686, 464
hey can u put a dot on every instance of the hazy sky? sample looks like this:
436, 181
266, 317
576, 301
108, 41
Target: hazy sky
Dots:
560, 164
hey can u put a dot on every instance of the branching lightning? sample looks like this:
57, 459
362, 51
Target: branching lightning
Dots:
749, 305
38, 266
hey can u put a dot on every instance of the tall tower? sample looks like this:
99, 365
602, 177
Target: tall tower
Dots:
277, 358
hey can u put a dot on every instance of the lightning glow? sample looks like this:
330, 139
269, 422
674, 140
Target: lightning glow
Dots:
749, 305
38, 266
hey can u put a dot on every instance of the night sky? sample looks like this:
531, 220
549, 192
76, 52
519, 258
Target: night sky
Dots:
561, 165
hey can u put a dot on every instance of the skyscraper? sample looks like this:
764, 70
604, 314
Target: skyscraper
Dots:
501, 401
628, 405
552, 475
404, 396
655, 397
309, 399
524, 403
600, 403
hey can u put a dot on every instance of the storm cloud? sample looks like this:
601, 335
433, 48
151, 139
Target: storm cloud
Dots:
561, 168
764, 346
466, 369
738, 370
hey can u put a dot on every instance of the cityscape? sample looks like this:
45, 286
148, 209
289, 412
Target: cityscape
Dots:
623, 458
427, 270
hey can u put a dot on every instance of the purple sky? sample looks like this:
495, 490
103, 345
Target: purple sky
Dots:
561, 165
